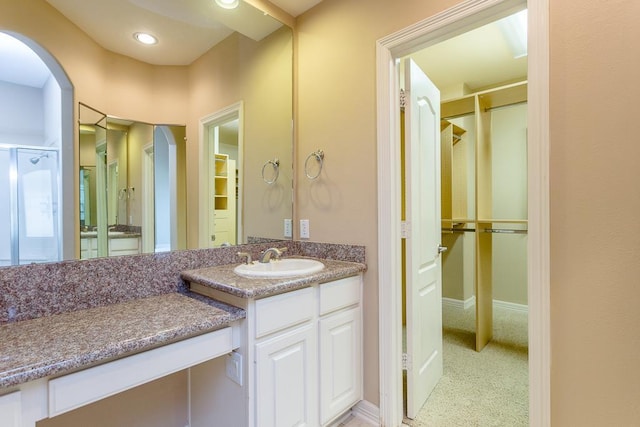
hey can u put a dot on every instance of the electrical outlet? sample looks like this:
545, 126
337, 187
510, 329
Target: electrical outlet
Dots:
304, 228
234, 367
288, 227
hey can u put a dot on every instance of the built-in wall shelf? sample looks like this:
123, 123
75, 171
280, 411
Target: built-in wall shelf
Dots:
223, 223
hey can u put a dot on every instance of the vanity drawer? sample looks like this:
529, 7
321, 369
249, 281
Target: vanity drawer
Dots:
339, 294
281, 311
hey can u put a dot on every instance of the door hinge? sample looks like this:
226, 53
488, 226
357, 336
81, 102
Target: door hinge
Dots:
405, 228
405, 362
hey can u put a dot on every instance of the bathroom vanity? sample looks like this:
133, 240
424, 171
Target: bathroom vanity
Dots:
300, 360
257, 351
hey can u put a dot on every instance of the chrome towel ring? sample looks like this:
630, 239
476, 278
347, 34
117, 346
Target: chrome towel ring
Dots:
319, 156
275, 163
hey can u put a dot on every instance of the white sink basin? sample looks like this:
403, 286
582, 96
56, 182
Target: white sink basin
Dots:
285, 267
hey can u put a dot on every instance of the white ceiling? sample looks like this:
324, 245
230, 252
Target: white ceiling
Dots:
185, 29
295, 7
478, 59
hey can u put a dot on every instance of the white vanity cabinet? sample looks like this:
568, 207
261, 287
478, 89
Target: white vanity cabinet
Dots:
129, 245
302, 357
308, 354
124, 245
285, 350
340, 331
11, 410
88, 247
286, 373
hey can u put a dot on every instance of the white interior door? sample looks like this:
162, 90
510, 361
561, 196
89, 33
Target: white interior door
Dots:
423, 267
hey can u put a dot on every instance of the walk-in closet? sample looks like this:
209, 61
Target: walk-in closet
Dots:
484, 202
483, 161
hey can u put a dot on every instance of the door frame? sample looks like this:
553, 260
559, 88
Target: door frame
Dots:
148, 196
453, 21
230, 112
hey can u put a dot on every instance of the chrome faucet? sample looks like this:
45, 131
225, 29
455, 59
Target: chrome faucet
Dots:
271, 252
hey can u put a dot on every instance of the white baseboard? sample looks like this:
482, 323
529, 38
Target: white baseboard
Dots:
368, 412
460, 304
471, 302
522, 308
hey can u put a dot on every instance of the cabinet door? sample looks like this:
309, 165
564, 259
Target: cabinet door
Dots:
340, 363
286, 379
10, 410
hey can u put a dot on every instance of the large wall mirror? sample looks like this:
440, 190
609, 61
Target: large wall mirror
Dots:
131, 186
206, 179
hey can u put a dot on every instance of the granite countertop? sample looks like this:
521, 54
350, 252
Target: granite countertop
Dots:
62, 343
112, 234
223, 278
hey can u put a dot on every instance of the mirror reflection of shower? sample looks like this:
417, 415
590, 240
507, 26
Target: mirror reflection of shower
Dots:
30, 221
35, 160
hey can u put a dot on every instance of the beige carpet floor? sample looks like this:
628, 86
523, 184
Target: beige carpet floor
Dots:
489, 388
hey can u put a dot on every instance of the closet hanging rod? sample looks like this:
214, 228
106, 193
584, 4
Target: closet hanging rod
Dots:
504, 231
458, 116
457, 230
499, 107
471, 113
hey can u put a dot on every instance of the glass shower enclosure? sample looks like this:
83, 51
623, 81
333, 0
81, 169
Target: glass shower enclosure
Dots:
29, 212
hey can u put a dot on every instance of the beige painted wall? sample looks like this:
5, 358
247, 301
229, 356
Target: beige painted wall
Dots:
595, 378
140, 135
336, 86
595, 243
259, 74
509, 194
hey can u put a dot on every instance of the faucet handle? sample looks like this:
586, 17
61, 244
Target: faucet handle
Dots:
246, 255
282, 250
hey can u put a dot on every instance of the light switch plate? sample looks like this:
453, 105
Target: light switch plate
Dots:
304, 228
288, 227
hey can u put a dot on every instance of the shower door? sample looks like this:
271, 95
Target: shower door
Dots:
29, 218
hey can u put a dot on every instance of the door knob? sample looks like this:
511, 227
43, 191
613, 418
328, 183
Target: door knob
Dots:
442, 249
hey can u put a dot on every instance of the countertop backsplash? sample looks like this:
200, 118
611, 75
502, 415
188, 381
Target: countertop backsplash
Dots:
37, 290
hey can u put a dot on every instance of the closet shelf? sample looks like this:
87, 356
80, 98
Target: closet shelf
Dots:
501, 96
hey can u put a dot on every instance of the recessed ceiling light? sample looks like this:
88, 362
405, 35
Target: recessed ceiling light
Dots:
145, 38
228, 4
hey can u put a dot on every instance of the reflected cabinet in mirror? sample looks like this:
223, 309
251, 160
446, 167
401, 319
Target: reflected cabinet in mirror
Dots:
122, 182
